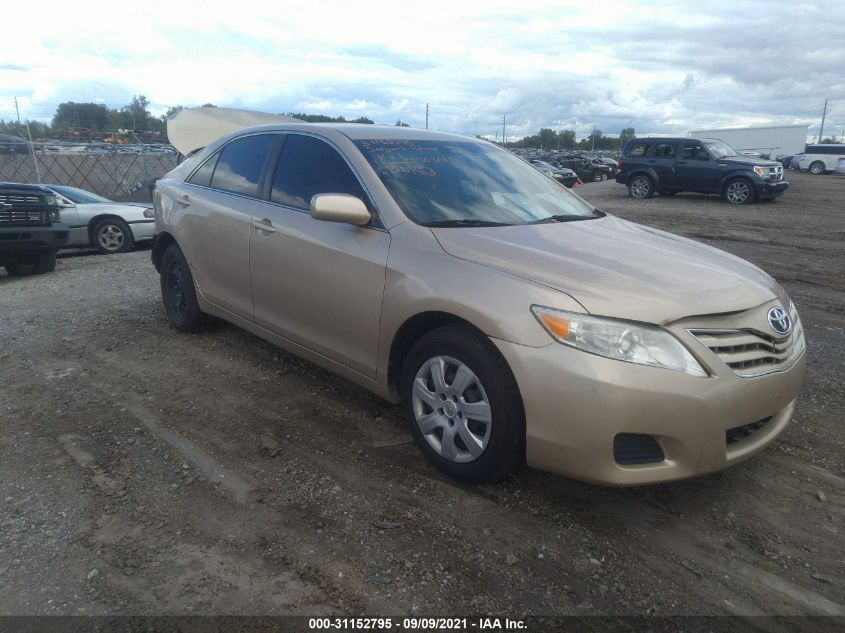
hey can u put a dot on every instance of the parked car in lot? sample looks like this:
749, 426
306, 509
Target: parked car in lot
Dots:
10, 144
31, 231
586, 168
512, 320
566, 177
822, 158
671, 165
110, 227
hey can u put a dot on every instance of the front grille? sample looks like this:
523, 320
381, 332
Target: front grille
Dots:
21, 216
776, 173
21, 208
749, 352
739, 433
636, 448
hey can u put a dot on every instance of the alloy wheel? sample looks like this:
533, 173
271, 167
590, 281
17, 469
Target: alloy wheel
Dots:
451, 409
738, 192
640, 187
110, 237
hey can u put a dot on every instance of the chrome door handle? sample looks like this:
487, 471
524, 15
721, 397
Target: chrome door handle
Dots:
264, 224
184, 200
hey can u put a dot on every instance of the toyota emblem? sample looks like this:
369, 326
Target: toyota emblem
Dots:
779, 320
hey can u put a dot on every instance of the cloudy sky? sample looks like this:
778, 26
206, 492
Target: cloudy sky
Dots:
656, 66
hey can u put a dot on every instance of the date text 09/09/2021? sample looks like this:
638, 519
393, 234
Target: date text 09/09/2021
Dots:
417, 624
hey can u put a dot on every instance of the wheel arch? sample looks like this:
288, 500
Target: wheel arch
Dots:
414, 328
161, 243
643, 171
99, 218
744, 175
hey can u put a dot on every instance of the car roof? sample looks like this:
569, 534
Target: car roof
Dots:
360, 131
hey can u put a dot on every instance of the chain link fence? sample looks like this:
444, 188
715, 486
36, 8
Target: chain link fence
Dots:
124, 173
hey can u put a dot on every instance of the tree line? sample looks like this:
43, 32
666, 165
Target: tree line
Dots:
548, 138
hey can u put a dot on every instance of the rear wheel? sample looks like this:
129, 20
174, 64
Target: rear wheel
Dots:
599, 175
178, 293
462, 405
45, 263
738, 191
641, 187
817, 167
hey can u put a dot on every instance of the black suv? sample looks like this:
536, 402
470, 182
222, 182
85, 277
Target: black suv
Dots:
671, 165
587, 170
30, 229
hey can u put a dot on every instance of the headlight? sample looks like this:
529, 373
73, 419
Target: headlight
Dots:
54, 215
620, 340
761, 171
149, 213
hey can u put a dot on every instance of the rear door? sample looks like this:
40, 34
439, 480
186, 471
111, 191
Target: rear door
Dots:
662, 160
219, 200
319, 284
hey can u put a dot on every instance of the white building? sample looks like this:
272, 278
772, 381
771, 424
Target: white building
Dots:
781, 140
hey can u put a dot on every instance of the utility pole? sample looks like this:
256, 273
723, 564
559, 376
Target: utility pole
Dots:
426, 116
594, 137
503, 130
821, 129
31, 146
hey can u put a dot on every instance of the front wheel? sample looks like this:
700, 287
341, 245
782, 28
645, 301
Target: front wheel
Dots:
817, 168
178, 293
641, 187
112, 235
462, 405
739, 191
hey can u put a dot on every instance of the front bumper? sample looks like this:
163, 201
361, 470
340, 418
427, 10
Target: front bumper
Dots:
24, 239
576, 403
770, 189
142, 230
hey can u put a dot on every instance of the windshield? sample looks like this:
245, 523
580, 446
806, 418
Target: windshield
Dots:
542, 165
443, 183
78, 196
720, 149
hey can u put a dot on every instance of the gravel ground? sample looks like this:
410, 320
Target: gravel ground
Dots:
143, 471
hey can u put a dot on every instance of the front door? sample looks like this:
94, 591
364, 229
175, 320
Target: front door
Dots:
317, 283
696, 169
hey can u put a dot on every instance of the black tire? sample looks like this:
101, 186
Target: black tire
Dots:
112, 235
598, 176
45, 263
505, 448
738, 191
816, 168
641, 187
178, 293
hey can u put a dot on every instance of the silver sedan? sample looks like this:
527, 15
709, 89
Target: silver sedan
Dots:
110, 227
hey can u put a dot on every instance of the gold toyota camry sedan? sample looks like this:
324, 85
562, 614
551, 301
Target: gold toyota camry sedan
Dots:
513, 321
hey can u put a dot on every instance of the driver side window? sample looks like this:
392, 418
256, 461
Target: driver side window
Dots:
691, 150
309, 166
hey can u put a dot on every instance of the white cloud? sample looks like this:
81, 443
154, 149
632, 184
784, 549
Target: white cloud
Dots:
659, 66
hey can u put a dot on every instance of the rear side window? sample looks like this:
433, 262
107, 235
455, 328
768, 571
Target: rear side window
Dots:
202, 176
309, 166
239, 167
664, 150
638, 149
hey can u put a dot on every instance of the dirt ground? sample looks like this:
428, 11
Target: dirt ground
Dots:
147, 472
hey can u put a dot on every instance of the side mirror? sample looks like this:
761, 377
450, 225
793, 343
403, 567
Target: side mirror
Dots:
701, 154
339, 207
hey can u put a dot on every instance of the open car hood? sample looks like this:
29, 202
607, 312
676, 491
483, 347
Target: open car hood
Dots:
193, 128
